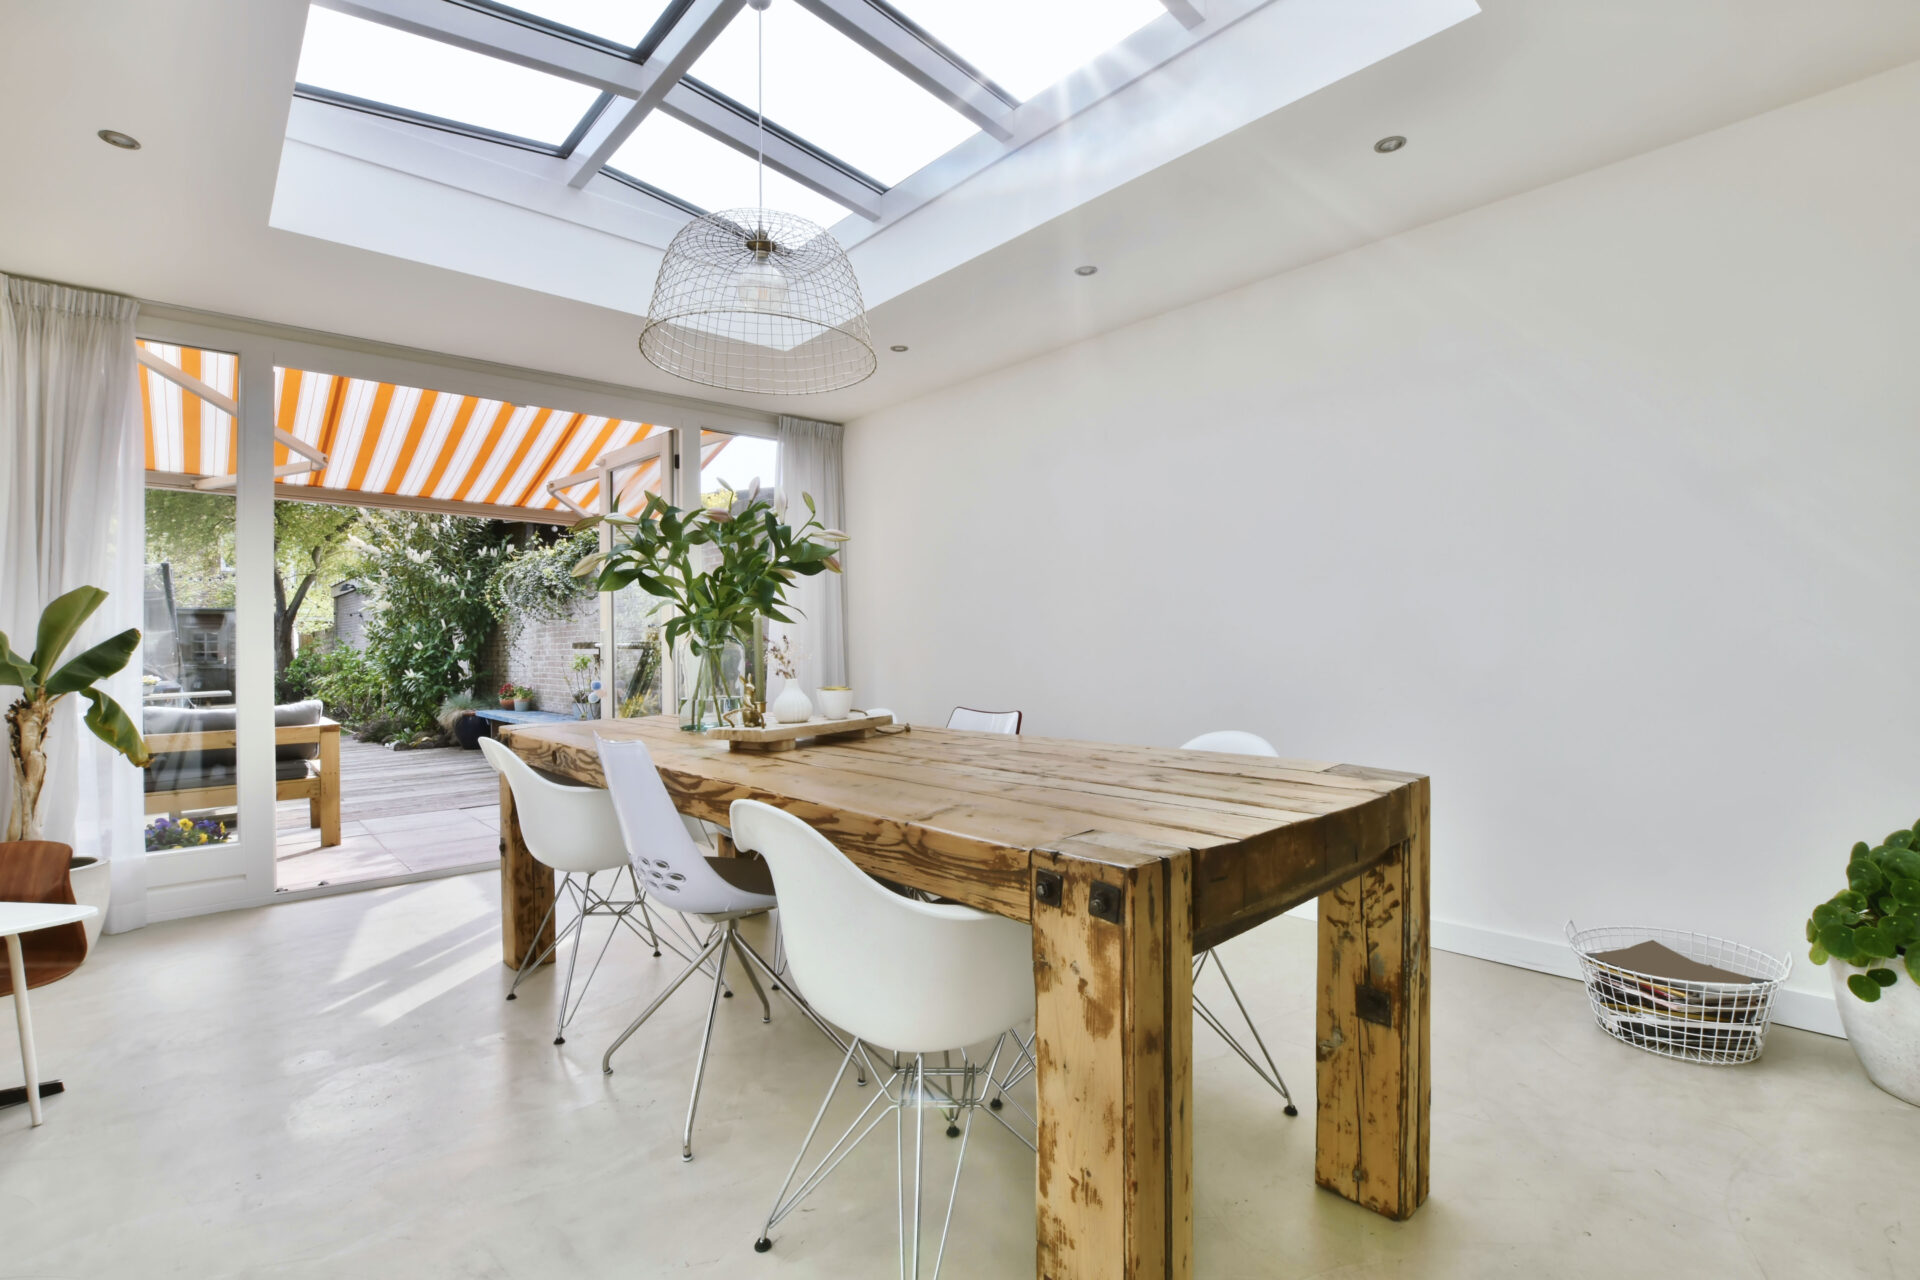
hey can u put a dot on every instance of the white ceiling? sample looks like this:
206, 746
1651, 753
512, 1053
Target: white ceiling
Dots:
1528, 92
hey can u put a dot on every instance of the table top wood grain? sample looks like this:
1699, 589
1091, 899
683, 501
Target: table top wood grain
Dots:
960, 813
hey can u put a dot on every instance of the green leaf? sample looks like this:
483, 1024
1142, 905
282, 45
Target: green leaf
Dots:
1837, 939
1913, 963
60, 622
1901, 839
14, 669
1864, 987
1859, 851
95, 665
1818, 955
112, 726
1882, 977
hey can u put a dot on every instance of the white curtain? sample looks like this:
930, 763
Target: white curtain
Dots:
810, 464
71, 515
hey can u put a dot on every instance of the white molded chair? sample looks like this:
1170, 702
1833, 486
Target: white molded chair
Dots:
984, 721
1239, 742
917, 977
572, 830
719, 892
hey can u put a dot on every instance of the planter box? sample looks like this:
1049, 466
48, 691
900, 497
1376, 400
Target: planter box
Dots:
1885, 1035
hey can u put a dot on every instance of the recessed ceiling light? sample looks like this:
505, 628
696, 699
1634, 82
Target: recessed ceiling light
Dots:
898, 346
1388, 145
1085, 271
115, 138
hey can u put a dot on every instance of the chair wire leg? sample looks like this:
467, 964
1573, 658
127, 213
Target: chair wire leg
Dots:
573, 959
780, 1201
1271, 1075
733, 936
696, 965
799, 1002
700, 1063
919, 1150
528, 964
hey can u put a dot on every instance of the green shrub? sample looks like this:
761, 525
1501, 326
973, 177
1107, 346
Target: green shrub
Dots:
537, 584
341, 677
1876, 917
430, 618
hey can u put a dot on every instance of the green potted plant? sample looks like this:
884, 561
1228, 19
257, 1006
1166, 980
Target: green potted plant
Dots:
750, 558
522, 698
43, 681
457, 718
506, 695
1866, 935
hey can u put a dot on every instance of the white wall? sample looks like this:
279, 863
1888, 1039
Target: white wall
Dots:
1600, 504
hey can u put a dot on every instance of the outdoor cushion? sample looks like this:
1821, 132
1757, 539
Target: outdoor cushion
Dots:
168, 766
164, 775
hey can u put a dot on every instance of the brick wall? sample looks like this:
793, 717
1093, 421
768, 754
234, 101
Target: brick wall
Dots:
541, 654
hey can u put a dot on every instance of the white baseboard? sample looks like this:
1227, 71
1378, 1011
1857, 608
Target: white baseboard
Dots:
1807, 1010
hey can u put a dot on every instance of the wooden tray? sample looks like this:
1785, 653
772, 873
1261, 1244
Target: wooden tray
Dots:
784, 737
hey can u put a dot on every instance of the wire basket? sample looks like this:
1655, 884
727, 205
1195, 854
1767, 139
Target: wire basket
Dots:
1722, 1023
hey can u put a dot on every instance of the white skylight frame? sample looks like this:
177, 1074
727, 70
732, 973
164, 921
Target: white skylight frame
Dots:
654, 77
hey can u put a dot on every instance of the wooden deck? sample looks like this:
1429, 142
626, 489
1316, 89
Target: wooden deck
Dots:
401, 813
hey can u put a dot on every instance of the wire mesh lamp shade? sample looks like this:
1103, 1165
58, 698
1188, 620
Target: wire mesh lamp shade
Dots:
761, 301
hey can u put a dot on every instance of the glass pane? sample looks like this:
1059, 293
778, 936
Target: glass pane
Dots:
734, 463
623, 22
397, 69
187, 656
637, 665
682, 161
1026, 47
827, 89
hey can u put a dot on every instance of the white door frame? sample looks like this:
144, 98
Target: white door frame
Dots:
241, 873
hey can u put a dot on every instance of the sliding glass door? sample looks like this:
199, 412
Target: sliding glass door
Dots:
638, 668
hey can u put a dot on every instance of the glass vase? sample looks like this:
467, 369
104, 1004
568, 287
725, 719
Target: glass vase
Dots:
713, 686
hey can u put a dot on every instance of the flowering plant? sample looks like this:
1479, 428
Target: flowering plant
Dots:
169, 833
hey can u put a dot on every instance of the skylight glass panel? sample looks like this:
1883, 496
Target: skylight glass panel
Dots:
1027, 46
826, 89
622, 22
397, 69
682, 161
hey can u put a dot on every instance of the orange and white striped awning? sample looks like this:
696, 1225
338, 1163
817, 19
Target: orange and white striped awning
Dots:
380, 438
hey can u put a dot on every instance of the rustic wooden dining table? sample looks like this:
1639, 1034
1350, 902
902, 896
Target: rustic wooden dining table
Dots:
1127, 861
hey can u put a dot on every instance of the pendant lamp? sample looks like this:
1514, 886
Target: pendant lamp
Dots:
758, 300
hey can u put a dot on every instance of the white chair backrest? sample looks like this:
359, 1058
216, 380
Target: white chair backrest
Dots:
663, 853
569, 828
1237, 741
913, 976
984, 721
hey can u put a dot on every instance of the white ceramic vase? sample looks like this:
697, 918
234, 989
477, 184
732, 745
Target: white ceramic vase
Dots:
792, 706
92, 881
1885, 1035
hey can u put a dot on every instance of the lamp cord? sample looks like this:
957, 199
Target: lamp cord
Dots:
760, 102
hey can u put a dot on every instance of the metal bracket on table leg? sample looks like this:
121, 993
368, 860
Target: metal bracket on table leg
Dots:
1106, 901
1048, 888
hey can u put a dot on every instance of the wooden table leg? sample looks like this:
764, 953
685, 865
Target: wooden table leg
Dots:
1372, 1042
1113, 976
23, 1017
526, 891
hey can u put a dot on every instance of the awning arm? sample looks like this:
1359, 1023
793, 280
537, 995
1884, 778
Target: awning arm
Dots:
225, 403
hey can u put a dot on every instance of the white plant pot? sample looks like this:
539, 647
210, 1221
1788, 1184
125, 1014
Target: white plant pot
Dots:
1885, 1035
522, 704
792, 706
92, 881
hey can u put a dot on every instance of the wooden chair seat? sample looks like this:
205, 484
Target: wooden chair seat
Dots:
36, 871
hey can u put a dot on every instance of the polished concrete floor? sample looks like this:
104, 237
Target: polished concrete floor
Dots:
335, 1087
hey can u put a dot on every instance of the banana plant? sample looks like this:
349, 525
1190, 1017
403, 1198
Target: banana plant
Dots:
43, 681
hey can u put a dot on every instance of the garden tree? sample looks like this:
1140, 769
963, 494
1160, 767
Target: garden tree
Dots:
431, 618
194, 532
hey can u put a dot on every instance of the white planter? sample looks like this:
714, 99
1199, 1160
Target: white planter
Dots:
1885, 1034
523, 704
792, 706
92, 882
